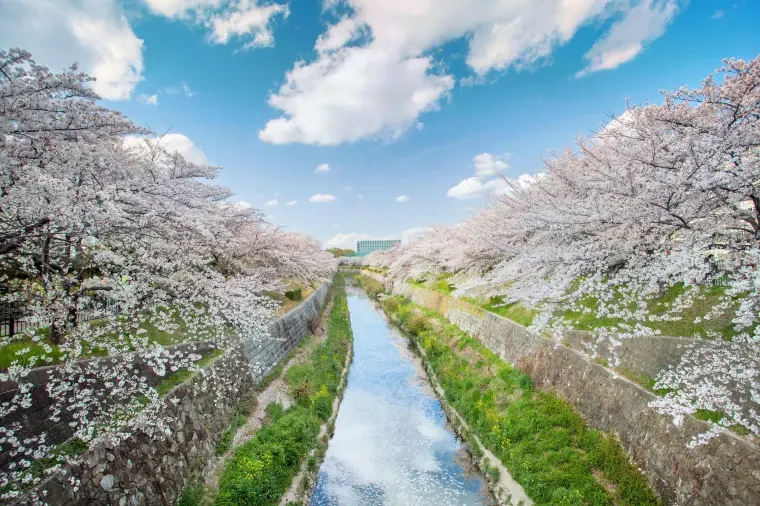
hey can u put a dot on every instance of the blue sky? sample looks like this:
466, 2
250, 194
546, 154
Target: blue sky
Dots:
398, 97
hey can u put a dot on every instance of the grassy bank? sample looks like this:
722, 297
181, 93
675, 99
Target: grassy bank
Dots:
545, 444
262, 469
585, 315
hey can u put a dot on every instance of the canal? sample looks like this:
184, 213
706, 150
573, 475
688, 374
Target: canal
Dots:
391, 445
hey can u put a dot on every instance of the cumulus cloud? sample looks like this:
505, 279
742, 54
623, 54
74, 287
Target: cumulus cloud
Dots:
488, 179
291, 203
487, 164
149, 100
270, 203
94, 33
322, 198
628, 37
473, 187
243, 205
323, 167
351, 94
247, 20
338, 35
174, 143
361, 86
402, 198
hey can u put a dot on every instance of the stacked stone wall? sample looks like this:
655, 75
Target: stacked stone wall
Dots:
149, 470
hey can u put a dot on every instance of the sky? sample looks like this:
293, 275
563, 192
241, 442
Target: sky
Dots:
359, 119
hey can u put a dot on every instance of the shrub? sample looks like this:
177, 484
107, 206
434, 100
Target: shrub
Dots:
390, 305
416, 324
262, 469
293, 294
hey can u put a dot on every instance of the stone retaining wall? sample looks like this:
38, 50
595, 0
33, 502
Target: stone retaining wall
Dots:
144, 470
35, 419
285, 333
725, 472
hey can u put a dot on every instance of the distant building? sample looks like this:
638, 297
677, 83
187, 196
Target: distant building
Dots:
365, 247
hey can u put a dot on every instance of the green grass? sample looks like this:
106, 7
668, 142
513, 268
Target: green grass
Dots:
542, 440
182, 375
514, 311
585, 318
709, 297
197, 494
238, 420
36, 354
708, 415
261, 470
371, 286
8, 352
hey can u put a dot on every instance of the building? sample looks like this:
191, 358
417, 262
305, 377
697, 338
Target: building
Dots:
365, 247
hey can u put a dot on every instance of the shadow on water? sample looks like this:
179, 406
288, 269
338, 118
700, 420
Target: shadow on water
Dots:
391, 444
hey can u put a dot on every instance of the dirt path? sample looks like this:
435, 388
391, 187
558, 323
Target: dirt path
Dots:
276, 391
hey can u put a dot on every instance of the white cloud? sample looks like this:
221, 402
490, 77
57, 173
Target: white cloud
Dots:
272, 202
182, 88
351, 94
338, 35
179, 8
487, 164
248, 20
322, 168
473, 187
642, 24
322, 198
149, 100
718, 14
291, 203
360, 196
94, 33
402, 198
174, 143
379, 85
243, 205
188, 92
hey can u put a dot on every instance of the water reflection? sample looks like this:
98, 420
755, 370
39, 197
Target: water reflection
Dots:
391, 446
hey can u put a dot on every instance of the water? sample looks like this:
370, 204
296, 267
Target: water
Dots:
391, 444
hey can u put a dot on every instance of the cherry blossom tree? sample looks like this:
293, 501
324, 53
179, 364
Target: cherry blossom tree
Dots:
658, 197
91, 219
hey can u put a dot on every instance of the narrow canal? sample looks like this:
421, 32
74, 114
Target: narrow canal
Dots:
391, 444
